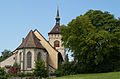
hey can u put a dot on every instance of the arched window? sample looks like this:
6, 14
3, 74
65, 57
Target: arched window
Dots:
20, 57
29, 60
56, 43
38, 56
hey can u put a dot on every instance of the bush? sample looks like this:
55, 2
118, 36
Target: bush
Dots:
21, 74
67, 68
57, 73
28, 74
3, 77
3, 73
13, 70
40, 69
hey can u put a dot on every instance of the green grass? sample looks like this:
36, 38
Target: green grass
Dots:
110, 75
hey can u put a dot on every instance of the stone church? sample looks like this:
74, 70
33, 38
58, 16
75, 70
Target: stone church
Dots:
35, 46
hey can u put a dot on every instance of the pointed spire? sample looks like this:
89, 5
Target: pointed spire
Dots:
56, 28
57, 12
57, 17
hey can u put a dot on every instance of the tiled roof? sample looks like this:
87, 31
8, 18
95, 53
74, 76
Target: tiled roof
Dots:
56, 29
31, 41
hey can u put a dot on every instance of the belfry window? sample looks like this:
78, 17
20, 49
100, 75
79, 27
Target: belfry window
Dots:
38, 56
29, 60
56, 44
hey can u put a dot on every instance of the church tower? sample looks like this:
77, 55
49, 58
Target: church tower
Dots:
55, 37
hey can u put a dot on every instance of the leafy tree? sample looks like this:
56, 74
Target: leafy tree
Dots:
40, 69
107, 21
5, 54
115, 56
94, 40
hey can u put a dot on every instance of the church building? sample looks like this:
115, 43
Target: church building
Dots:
34, 46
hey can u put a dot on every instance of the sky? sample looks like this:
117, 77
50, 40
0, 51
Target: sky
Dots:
18, 17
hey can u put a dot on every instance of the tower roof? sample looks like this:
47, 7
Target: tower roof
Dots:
31, 41
56, 28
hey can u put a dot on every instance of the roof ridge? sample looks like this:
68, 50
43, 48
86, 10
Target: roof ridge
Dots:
30, 41
33, 38
47, 41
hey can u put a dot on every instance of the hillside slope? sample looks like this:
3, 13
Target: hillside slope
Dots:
109, 75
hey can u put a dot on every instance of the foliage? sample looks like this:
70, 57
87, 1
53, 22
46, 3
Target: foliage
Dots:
2, 73
3, 77
94, 39
40, 69
13, 71
17, 66
28, 74
5, 54
21, 74
66, 68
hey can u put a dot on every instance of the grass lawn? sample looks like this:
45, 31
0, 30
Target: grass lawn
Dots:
109, 75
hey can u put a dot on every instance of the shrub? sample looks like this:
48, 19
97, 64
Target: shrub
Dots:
28, 74
3, 77
21, 74
66, 68
13, 71
2, 73
40, 69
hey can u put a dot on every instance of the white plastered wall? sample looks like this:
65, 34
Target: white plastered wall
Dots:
34, 53
9, 61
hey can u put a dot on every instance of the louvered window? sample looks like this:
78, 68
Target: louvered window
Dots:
56, 43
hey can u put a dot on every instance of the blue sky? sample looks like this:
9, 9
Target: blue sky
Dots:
18, 17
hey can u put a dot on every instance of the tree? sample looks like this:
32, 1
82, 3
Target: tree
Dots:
5, 54
107, 21
40, 69
116, 55
91, 39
